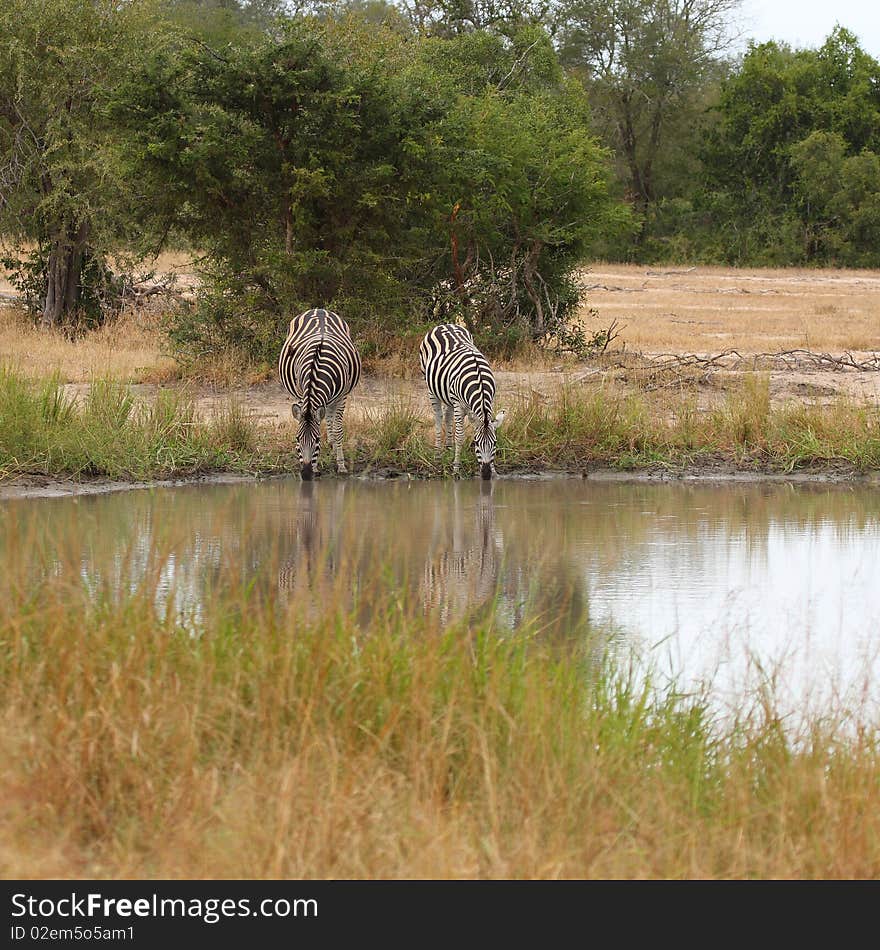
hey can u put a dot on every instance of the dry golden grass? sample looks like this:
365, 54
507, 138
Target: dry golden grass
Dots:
128, 349
670, 310
272, 747
709, 309
131, 348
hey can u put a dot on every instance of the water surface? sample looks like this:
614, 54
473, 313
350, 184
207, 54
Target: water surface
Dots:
711, 583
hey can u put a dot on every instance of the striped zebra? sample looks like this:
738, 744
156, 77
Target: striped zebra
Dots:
319, 366
460, 383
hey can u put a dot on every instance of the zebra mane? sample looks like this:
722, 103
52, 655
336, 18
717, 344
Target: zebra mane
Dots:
486, 411
310, 377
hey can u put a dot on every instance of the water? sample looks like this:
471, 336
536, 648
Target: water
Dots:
721, 584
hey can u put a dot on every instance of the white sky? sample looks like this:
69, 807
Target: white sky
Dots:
807, 23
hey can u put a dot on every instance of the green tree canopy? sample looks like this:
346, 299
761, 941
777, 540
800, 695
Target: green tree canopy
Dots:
797, 131
341, 164
646, 64
58, 187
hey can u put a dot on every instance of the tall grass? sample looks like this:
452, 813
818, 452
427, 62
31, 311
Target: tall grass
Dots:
261, 744
43, 431
583, 428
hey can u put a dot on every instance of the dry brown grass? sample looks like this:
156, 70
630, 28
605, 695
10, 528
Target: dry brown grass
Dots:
709, 309
128, 349
271, 748
669, 310
131, 348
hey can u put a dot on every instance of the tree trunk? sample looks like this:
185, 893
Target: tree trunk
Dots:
530, 267
288, 230
64, 275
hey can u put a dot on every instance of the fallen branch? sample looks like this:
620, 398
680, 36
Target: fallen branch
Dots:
789, 359
616, 289
837, 363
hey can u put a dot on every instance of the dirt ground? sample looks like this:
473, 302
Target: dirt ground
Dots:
666, 316
824, 321
692, 330
708, 309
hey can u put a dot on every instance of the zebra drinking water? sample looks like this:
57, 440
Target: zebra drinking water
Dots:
460, 383
319, 366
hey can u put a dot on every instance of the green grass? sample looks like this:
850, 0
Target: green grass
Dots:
44, 432
605, 427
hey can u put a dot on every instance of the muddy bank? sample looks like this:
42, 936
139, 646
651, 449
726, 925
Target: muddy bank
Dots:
40, 486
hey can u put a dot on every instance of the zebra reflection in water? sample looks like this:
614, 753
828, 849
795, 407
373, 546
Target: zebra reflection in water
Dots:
464, 554
310, 555
463, 563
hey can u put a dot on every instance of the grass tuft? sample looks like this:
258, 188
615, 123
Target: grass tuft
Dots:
109, 434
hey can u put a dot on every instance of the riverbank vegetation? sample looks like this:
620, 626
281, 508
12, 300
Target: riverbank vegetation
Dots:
44, 431
266, 741
408, 164
110, 434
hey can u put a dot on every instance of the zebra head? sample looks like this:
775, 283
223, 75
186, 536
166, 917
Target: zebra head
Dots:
485, 442
308, 440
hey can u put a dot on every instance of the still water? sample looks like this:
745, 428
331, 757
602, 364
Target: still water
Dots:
721, 584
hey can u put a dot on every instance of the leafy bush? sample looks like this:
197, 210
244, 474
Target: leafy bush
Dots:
342, 165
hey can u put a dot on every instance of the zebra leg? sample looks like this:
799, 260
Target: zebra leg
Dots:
335, 431
459, 436
438, 423
449, 422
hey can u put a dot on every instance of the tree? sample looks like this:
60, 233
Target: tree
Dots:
224, 20
645, 64
296, 161
528, 190
57, 187
783, 167
449, 18
839, 197
348, 165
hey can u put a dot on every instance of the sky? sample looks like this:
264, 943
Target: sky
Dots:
807, 23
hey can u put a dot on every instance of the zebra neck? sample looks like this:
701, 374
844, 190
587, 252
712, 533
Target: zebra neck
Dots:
482, 409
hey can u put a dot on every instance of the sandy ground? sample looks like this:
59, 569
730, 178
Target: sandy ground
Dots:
268, 403
708, 309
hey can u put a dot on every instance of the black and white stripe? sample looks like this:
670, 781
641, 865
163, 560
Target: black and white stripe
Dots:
319, 366
460, 383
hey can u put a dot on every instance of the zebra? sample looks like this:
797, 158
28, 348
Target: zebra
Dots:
319, 366
460, 383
